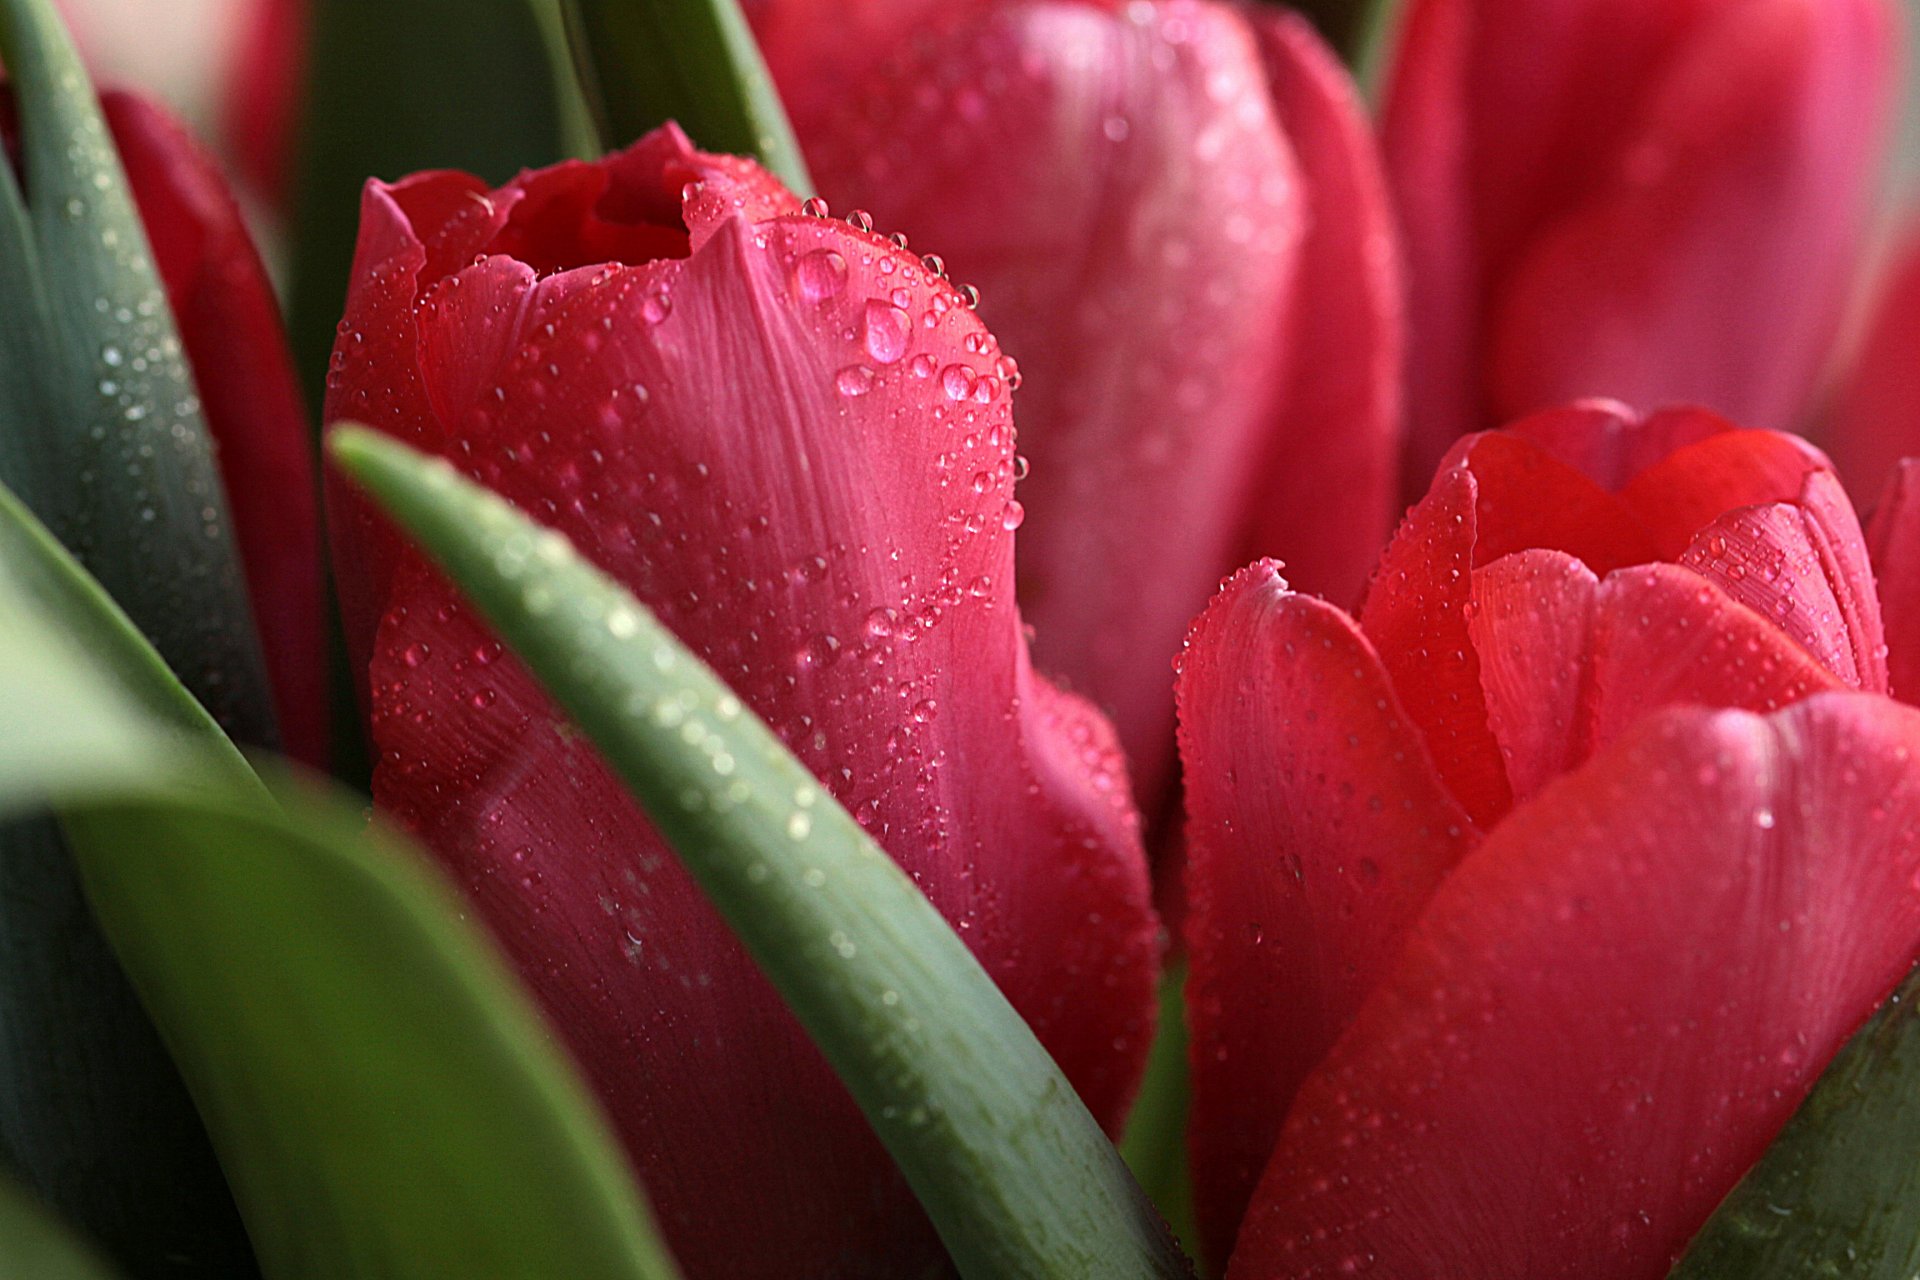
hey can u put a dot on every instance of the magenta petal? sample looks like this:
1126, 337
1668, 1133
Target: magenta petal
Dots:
1894, 539
1317, 828
763, 442
1116, 182
230, 325
1610, 1008
1327, 498
1532, 627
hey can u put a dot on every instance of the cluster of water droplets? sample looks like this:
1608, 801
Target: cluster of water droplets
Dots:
137, 495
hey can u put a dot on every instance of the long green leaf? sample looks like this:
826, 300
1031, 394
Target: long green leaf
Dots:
1838, 1193
100, 428
33, 1244
92, 1111
1155, 1145
394, 88
1015, 1173
382, 1093
693, 61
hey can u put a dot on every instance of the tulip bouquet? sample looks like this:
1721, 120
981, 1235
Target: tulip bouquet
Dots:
801, 658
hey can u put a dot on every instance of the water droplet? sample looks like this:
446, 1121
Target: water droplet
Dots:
888, 331
815, 207
860, 220
936, 265
820, 275
1014, 516
958, 381
854, 380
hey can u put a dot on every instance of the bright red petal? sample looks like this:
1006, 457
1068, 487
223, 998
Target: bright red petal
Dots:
1416, 616
1894, 539
1317, 828
791, 445
1695, 485
230, 325
1709, 258
1339, 426
1527, 497
1610, 1008
1116, 183
1664, 637
1610, 443
1532, 628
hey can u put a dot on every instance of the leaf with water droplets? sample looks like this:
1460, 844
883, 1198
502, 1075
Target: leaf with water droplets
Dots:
1013, 1170
1838, 1193
350, 1037
692, 61
104, 437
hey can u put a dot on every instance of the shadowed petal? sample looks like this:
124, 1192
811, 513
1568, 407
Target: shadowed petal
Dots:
1317, 827
1894, 538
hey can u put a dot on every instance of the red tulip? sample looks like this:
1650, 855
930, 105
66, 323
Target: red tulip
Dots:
230, 325
1479, 939
1178, 226
796, 445
261, 101
1653, 199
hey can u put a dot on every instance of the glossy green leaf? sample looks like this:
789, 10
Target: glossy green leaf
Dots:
1838, 1193
1014, 1172
484, 86
101, 432
92, 1112
33, 1244
381, 1091
645, 62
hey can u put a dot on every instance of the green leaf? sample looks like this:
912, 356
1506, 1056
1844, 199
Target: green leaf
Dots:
92, 1111
693, 61
385, 1098
1358, 29
381, 1091
1014, 1172
485, 86
101, 432
1838, 1193
33, 1244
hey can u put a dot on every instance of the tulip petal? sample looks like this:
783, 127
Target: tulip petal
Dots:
1693, 486
1877, 420
1664, 636
230, 325
1709, 257
1317, 828
1528, 497
1893, 536
1416, 617
1609, 443
1338, 426
790, 444
1608, 1009
1532, 627
1115, 181
1804, 565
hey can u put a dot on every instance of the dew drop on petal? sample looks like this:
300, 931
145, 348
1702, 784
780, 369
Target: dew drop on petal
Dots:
820, 275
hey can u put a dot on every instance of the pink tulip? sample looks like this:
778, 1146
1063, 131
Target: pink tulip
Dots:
795, 444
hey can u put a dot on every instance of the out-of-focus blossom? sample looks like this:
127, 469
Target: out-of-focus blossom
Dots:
795, 443
1657, 200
